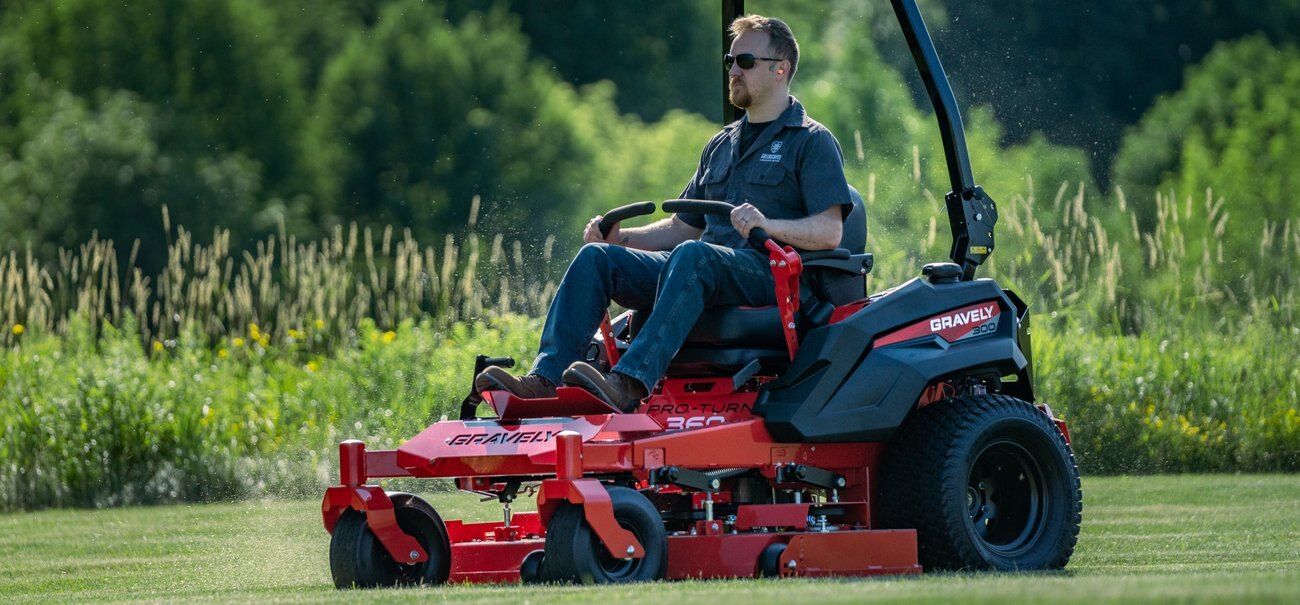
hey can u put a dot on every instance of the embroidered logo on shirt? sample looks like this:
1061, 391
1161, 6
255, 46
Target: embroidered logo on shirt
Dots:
773, 156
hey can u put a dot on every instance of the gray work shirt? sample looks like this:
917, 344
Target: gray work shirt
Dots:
793, 170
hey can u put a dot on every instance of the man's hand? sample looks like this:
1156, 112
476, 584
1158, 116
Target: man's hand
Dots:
817, 232
592, 233
745, 217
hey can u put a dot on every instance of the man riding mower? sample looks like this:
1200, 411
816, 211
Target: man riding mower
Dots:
759, 414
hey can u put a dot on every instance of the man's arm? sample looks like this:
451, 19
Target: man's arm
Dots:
820, 231
820, 169
663, 234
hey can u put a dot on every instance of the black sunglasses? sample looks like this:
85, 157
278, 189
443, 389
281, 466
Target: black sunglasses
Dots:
745, 60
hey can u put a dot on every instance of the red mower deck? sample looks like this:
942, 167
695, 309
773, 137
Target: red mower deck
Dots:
816, 544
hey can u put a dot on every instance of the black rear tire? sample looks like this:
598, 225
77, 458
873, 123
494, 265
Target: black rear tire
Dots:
359, 560
574, 554
987, 481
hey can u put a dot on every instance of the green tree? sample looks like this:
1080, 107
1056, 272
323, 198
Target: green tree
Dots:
108, 167
218, 66
316, 30
639, 160
417, 116
1232, 128
1082, 72
660, 56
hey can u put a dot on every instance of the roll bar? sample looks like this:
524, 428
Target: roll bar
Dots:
971, 213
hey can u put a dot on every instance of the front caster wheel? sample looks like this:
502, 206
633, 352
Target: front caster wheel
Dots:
357, 559
769, 561
575, 554
530, 570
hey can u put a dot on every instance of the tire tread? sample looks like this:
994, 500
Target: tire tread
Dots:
917, 488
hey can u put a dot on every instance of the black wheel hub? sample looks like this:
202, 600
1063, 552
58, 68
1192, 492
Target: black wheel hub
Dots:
1005, 498
615, 567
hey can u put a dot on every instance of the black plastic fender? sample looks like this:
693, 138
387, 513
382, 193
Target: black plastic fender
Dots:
841, 387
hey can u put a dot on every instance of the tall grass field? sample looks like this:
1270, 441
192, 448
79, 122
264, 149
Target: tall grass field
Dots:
234, 374
1186, 539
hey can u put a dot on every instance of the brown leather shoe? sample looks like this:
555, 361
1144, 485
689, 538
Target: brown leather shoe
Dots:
618, 390
531, 386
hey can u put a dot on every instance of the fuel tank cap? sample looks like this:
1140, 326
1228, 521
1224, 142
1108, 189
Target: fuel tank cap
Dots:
942, 273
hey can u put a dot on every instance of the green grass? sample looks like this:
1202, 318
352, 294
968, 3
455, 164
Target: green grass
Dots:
1206, 538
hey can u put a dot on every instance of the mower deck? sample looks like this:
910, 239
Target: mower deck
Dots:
479, 557
832, 536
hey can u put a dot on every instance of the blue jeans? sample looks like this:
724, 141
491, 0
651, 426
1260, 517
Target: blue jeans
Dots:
678, 285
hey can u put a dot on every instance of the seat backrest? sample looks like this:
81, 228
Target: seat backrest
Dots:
855, 226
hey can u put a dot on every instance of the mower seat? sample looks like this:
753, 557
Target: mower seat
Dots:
728, 338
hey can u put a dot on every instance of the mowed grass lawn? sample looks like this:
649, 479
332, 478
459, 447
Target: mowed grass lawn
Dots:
1218, 538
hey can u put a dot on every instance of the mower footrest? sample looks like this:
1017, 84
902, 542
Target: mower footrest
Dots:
568, 401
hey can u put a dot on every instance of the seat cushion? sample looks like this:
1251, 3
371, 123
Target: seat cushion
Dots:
722, 327
694, 360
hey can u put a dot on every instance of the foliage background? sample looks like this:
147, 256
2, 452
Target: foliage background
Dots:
235, 232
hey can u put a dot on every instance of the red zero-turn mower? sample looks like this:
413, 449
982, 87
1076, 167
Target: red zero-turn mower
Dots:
834, 434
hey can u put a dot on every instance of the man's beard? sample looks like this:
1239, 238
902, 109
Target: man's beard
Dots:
740, 98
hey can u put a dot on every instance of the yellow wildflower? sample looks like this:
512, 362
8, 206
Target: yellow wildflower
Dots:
238, 342
254, 333
222, 353
18, 329
313, 366
157, 347
320, 324
389, 336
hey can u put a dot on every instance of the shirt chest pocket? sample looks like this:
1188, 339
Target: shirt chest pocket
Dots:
716, 172
714, 181
767, 174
